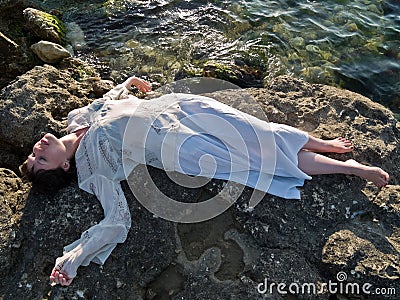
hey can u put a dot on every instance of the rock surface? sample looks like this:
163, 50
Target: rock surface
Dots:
21, 25
342, 223
7, 46
15, 56
44, 25
50, 52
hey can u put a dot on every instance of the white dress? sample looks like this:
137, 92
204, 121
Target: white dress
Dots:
127, 132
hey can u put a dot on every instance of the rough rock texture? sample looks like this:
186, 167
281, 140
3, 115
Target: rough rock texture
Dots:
342, 223
21, 25
238, 74
15, 56
12, 202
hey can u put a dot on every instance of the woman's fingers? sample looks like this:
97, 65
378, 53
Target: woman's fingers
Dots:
143, 85
55, 276
65, 280
60, 278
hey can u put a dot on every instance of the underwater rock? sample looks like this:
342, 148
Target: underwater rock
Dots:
50, 52
241, 75
75, 36
297, 42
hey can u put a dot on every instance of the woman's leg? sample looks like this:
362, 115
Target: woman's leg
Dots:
338, 145
315, 164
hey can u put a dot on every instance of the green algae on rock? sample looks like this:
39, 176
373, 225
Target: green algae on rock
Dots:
240, 75
80, 70
44, 25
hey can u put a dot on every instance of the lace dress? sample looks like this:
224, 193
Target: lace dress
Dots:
127, 132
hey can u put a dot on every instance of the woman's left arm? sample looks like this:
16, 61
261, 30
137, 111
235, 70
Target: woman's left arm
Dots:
141, 84
96, 243
121, 91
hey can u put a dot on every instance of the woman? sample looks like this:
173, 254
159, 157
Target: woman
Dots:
97, 141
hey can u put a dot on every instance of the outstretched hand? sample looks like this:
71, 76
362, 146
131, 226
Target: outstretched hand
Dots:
141, 84
57, 277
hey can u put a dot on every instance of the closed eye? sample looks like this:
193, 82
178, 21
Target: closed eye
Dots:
40, 158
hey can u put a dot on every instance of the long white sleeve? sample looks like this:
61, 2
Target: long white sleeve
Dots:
119, 92
81, 117
97, 243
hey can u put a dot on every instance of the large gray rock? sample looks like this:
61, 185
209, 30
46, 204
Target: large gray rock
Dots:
47, 224
342, 223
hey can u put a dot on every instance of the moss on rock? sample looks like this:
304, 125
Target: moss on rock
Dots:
45, 26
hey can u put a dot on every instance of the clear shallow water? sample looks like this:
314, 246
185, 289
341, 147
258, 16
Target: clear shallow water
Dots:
353, 44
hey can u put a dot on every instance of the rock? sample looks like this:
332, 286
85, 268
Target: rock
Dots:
75, 36
12, 196
80, 70
44, 25
342, 248
341, 226
297, 42
75, 211
7, 46
50, 52
15, 56
238, 74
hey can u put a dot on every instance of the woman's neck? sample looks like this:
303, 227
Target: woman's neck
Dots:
71, 141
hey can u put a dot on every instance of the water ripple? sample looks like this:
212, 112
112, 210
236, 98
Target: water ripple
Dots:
335, 42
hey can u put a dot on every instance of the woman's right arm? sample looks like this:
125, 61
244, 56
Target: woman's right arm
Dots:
96, 243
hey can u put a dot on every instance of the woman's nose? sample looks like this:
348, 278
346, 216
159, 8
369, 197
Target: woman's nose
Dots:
39, 146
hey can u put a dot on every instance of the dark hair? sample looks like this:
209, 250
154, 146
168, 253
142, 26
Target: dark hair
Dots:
49, 181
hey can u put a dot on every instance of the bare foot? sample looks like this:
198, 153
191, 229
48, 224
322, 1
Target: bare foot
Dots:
338, 145
378, 177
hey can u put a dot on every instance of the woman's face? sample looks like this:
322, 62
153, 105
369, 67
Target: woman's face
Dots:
47, 154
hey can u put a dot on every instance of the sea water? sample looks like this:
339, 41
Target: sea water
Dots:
351, 44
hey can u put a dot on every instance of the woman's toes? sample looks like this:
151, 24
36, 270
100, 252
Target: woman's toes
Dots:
383, 178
